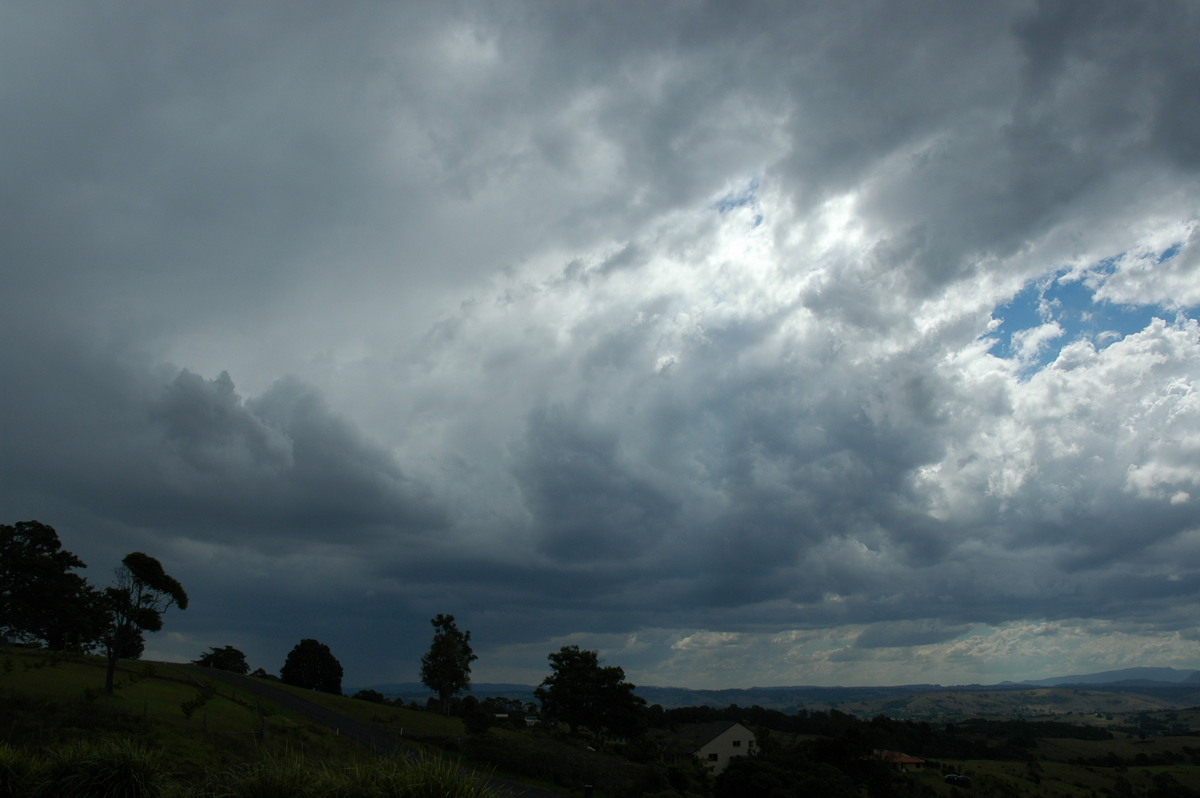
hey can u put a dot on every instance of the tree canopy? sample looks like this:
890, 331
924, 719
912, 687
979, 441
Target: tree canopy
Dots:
584, 694
41, 598
224, 659
446, 667
311, 665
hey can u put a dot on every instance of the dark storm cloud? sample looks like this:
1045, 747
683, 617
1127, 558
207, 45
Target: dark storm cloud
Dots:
584, 503
187, 455
281, 462
1111, 78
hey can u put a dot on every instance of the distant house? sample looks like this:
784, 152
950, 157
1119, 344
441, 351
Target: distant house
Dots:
899, 761
715, 743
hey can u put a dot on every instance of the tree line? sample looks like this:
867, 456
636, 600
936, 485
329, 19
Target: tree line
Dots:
589, 698
43, 600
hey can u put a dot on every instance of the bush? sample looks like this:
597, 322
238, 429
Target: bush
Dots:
566, 765
292, 777
119, 769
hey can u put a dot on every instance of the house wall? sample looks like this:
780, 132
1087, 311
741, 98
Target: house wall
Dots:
735, 741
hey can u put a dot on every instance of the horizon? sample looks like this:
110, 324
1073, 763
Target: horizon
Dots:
1033, 682
818, 343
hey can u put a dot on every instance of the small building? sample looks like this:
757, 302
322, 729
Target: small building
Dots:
715, 743
900, 761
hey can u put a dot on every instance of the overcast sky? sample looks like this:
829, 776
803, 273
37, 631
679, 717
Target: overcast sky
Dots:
747, 343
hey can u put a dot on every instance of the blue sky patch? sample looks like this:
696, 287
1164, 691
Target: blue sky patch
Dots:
748, 197
1069, 300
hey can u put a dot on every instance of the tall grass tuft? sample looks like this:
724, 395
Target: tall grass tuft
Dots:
18, 772
118, 769
435, 777
287, 776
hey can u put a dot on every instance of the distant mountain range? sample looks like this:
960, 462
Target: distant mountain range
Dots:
1148, 676
1163, 686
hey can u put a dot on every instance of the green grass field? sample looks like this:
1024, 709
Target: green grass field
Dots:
54, 701
398, 718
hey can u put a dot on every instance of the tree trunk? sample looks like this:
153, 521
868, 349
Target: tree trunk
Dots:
112, 669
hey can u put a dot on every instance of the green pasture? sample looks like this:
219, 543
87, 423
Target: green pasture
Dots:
50, 700
386, 715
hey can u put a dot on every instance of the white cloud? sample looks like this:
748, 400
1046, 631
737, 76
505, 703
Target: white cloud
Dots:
1141, 276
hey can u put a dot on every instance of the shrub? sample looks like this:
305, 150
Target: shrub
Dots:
293, 777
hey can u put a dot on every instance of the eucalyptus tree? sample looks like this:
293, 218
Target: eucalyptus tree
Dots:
143, 592
446, 667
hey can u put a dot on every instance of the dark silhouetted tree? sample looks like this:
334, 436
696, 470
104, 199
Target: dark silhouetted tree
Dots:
311, 665
224, 659
40, 596
144, 591
475, 716
374, 696
583, 694
446, 667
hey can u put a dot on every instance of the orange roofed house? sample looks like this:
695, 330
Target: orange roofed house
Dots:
899, 761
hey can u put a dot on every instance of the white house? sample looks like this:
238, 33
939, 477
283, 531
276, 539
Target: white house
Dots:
716, 743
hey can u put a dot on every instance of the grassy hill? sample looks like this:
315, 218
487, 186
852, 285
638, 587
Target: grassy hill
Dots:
189, 735
205, 736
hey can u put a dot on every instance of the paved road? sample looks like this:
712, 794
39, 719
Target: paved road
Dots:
380, 740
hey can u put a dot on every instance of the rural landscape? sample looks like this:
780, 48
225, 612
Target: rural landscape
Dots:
600, 399
85, 716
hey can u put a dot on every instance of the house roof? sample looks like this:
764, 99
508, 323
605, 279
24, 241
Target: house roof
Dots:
695, 735
898, 758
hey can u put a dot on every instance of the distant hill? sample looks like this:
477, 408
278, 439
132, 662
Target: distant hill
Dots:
1125, 690
415, 691
1142, 676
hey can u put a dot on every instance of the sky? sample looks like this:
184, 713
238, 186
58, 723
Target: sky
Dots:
774, 343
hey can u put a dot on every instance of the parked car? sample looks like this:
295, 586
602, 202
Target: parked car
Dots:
957, 780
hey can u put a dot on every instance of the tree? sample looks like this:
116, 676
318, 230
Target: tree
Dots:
475, 716
374, 696
311, 665
446, 667
40, 596
583, 694
144, 591
224, 659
